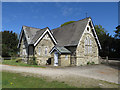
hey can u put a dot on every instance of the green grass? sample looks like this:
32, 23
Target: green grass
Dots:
17, 80
13, 62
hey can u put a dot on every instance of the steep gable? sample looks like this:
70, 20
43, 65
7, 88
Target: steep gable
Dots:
70, 34
29, 33
41, 34
34, 35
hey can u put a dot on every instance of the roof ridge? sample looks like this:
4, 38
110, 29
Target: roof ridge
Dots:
72, 23
30, 27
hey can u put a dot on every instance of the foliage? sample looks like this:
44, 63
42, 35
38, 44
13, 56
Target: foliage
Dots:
117, 32
88, 63
109, 44
17, 80
92, 62
100, 30
32, 61
9, 43
67, 23
13, 62
19, 60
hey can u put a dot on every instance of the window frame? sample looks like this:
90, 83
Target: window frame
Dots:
87, 46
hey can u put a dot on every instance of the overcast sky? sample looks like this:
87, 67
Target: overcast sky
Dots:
53, 14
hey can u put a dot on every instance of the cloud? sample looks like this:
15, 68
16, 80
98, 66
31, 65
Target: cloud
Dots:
66, 9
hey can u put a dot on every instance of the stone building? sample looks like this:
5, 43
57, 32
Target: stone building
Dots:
74, 44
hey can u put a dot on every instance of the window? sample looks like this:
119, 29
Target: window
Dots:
39, 50
87, 28
88, 45
46, 51
66, 57
90, 24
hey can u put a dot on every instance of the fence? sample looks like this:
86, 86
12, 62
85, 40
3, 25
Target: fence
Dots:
106, 60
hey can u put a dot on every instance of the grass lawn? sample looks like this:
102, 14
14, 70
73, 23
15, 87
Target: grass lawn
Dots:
17, 80
13, 62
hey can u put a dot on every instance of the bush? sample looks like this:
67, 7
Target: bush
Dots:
93, 63
88, 63
32, 61
19, 60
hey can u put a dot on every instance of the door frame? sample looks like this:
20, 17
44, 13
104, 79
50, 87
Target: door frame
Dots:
55, 59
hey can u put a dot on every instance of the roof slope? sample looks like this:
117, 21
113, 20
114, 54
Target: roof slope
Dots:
60, 49
30, 32
69, 35
37, 35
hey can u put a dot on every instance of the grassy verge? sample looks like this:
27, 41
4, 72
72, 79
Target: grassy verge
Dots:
13, 62
16, 80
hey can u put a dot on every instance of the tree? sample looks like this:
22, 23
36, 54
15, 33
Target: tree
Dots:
9, 44
110, 45
117, 32
67, 23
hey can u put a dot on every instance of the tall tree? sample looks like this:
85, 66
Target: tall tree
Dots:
9, 43
117, 32
110, 45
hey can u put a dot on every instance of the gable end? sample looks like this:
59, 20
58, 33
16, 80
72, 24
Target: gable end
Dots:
47, 31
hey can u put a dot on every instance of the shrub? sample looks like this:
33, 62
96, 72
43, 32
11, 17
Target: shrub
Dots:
32, 61
93, 63
18, 60
88, 63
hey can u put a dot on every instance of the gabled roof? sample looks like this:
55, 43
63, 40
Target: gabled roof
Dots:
37, 35
60, 50
34, 35
69, 35
29, 33
40, 34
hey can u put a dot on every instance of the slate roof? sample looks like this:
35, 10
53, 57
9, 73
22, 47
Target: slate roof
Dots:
37, 35
30, 32
60, 49
69, 35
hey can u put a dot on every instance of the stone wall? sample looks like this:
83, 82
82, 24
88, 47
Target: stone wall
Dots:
72, 49
81, 57
44, 54
64, 60
24, 49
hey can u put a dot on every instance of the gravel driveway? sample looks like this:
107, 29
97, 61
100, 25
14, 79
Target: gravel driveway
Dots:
97, 72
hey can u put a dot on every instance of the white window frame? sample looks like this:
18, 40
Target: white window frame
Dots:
88, 46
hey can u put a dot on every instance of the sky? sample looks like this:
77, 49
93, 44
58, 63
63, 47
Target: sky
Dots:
53, 14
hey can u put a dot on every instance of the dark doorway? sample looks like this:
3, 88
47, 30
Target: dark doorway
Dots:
49, 61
